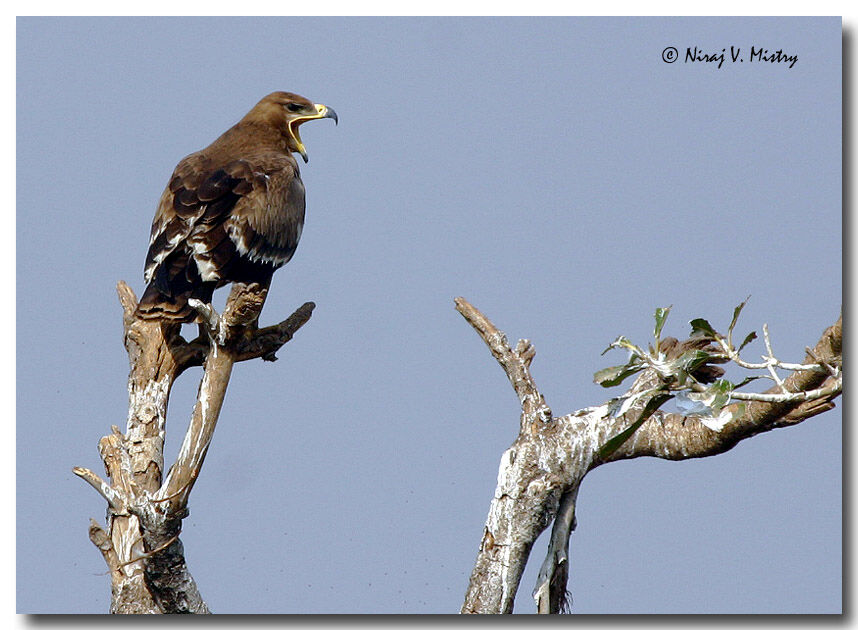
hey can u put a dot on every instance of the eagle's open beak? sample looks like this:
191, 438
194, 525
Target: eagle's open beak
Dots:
322, 111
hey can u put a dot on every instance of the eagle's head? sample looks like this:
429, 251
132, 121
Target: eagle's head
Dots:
286, 112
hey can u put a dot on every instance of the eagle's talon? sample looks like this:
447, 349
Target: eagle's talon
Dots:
211, 321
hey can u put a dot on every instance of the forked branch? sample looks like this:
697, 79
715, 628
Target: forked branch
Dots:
141, 542
541, 472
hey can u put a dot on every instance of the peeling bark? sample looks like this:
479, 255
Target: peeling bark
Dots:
140, 543
540, 474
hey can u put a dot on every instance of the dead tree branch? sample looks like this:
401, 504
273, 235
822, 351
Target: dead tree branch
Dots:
541, 472
141, 543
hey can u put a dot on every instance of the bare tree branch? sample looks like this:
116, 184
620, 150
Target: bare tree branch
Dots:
516, 363
541, 472
550, 592
141, 544
260, 343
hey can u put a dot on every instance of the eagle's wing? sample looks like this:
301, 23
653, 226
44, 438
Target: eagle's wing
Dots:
216, 223
251, 208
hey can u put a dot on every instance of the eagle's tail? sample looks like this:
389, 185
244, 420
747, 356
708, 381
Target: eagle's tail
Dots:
166, 297
156, 305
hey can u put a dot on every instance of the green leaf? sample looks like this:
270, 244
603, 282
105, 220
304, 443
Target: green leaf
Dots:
721, 390
616, 343
618, 440
692, 359
623, 342
620, 405
721, 386
700, 327
736, 312
613, 376
751, 336
660, 317
745, 381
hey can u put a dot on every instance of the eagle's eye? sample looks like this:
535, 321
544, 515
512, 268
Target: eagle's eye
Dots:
294, 107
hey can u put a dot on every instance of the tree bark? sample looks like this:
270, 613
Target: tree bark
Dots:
541, 472
141, 544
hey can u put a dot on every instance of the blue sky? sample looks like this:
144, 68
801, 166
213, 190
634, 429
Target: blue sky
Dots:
556, 173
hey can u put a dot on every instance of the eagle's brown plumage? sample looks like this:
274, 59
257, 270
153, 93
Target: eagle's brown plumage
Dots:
232, 212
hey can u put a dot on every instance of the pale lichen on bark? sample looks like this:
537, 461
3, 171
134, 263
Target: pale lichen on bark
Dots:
141, 544
540, 474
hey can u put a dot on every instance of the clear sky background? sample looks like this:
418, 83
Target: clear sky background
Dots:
556, 173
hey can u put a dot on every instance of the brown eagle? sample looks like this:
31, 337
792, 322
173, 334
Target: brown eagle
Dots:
232, 212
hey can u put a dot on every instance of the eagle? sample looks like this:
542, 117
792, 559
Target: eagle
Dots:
232, 212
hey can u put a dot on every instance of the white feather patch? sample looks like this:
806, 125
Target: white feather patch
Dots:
208, 271
238, 237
